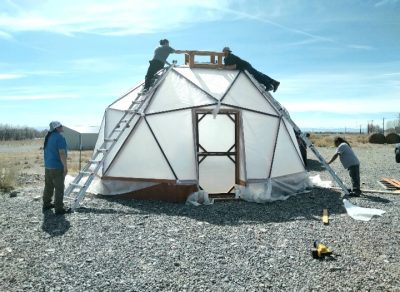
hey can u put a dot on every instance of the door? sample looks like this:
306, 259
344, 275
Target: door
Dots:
217, 151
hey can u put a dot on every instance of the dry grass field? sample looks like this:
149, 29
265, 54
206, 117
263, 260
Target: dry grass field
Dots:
26, 157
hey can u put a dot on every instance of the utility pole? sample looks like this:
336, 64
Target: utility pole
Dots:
383, 126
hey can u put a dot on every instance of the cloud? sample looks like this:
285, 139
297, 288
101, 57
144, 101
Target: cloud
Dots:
38, 96
10, 76
361, 47
123, 17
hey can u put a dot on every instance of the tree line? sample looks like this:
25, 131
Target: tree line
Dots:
8, 132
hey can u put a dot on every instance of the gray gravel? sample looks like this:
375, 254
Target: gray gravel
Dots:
128, 245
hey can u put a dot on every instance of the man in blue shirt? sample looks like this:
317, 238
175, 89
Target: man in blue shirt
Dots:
55, 163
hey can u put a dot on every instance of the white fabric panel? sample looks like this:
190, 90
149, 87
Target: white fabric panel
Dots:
174, 132
175, 93
216, 174
126, 101
259, 136
242, 154
216, 135
112, 118
214, 82
292, 135
243, 93
287, 159
100, 137
279, 188
140, 157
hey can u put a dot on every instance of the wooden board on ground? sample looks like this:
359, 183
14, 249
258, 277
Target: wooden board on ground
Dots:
390, 184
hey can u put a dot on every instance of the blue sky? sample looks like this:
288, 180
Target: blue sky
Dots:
338, 61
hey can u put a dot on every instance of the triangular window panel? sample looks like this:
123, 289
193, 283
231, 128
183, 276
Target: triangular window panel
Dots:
259, 138
176, 92
140, 157
125, 101
244, 93
174, 132
214, 82
286, 159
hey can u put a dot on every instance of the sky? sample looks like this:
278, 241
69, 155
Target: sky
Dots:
338, 61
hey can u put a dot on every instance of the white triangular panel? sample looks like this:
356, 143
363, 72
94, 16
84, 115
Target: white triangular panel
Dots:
140, 157
286, 159
174, 132
214, 82
125, 101
259, 136
244, 93
112, 118
292, 134
176, 92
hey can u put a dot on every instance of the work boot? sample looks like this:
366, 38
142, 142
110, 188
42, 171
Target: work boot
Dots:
276, 85
47, 207
63, 211
354, 194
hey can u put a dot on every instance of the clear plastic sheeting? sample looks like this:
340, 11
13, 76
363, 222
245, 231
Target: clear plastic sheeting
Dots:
111, 187
199, 198
274, 189
316, 181
360, 213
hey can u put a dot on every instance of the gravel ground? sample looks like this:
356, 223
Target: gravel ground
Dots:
128, 245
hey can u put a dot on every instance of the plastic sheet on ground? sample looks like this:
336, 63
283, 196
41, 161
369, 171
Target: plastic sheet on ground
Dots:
275, 189
316, 181
360, 213
199, 198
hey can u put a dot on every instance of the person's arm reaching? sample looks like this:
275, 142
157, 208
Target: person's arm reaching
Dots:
333, 158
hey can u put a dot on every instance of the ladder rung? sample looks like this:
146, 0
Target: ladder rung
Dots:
110, 139
131, 111
94, 161
86, 172
77, 185
102, 150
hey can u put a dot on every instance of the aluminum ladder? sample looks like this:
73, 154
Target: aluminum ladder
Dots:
310, 145
76, 190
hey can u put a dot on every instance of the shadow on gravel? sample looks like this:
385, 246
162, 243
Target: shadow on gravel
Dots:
84, 210
301, 207
376, 199
55, 225
314, 165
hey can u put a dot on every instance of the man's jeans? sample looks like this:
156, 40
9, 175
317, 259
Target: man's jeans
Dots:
54, 184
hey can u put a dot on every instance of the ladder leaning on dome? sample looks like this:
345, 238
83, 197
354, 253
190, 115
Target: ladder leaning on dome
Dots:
76, 190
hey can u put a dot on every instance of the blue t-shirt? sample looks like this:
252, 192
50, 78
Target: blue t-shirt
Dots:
55, 143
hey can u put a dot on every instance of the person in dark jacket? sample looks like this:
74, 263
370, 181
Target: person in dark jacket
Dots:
161, 54
233, 62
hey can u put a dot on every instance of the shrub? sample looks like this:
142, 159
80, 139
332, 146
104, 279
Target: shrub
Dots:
7, 179
392, 138
377, 138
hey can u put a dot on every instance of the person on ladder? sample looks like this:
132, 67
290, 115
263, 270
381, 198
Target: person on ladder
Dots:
161, 54
233, 62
